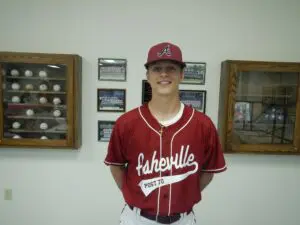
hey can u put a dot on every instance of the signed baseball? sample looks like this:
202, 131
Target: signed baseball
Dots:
15, 99
43, 126
43, 73
56, 113
29, 112
16, 125
15, 86
56, 87
14, 72
43, 87
43, 100
56, 101
28, 73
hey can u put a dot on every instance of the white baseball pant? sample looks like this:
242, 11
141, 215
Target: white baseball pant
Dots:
132, 217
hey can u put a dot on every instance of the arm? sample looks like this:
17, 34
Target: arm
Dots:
205, 179
118, 174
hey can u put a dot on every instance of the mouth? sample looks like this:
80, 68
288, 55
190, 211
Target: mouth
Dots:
164, 82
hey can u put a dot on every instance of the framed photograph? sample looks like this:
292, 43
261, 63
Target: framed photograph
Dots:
104, 130
111, 100
112, 69
146, 91
242, 111
194, 98
194, 73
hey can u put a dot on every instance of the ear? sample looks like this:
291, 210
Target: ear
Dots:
181, 75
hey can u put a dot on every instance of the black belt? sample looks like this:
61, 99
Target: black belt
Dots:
161, 219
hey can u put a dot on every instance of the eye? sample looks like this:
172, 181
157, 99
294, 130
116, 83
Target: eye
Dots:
156, 69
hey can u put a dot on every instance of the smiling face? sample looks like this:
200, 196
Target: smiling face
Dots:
164, 78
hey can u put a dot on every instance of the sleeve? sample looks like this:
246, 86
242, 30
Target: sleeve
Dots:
214, 160
115, 151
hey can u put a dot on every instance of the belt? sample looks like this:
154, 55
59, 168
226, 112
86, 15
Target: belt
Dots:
161, 219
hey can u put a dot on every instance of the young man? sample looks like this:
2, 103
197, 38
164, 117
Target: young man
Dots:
163, 153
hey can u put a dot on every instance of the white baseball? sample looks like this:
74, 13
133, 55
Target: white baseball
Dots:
16, 136
43, 73
15, 99
56, 113
43, 126
14, 72
28, 73
56, 87
16, 125
29, 112
56, 101
29, 87
43, 100
43, 87
15, 86
44, 137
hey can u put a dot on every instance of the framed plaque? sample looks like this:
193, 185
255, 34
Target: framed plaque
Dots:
194, 98
111, 100
194, 73
146, 91
104, 130
112, 69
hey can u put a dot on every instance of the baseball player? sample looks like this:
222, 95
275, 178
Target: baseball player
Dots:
163, 153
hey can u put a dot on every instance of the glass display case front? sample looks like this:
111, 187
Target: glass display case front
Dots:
34, 101
265, 107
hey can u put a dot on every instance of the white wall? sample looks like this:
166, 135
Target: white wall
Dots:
60, 187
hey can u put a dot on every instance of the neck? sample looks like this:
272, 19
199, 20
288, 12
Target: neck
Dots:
164, 108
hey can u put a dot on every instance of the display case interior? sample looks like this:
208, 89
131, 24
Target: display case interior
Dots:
259, 107
40, 98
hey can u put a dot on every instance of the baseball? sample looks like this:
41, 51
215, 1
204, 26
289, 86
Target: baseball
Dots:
15, 99
56, 101
16, 136
56, 87
44, 137
43, 87
16, 125
29, 87
43, 126
28, 73
56, 113
15, 86
14, 72
43, 100
29, 112
43, 73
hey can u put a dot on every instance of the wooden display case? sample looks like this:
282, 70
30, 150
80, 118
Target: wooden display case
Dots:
40, 99
259, 107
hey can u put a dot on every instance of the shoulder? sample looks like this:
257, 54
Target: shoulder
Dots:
128, 118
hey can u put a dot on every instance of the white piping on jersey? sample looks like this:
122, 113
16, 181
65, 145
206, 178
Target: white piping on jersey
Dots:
147, 122
112, 163
160, 150
171, 152
215, 170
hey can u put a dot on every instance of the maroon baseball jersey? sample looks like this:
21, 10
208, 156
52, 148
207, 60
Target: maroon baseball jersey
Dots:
164, 163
